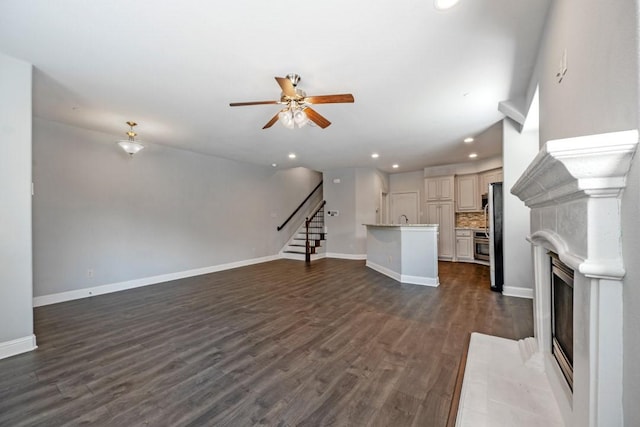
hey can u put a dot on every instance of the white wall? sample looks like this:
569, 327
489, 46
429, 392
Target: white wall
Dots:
599, 94
16, 313
518, 150
163, 211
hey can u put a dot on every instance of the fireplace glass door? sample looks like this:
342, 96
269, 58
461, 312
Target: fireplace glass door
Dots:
562, 316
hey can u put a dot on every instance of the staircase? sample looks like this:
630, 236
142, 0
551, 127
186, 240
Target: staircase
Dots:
306, 243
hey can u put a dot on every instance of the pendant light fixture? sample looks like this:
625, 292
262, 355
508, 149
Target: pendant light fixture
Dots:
131, 146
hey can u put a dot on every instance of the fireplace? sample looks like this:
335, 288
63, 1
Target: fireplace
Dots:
574, 188
562, 316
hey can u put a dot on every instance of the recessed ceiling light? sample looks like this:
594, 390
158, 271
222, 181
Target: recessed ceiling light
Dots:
468, 140
275, 165
395, 166
444, 4
292, 156
473, 155
375, 155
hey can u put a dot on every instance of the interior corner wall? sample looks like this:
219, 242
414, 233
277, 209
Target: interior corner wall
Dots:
340, 193
518, 150
101, 217
370, 183
16, 312
598, 94
354, 193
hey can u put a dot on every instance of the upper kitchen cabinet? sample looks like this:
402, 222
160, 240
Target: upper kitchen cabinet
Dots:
439, 188
467, 196
488, 177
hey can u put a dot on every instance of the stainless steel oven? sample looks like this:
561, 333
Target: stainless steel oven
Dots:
480, 246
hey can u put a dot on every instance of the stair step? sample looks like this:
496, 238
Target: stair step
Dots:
301, 245
301, 257
312, 242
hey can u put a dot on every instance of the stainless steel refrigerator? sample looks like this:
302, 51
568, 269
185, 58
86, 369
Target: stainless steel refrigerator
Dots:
495, 219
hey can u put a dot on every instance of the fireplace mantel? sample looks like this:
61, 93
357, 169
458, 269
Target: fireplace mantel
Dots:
572, 168
574, 188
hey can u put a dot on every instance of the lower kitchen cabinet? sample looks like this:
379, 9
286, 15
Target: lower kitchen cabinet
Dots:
464, 245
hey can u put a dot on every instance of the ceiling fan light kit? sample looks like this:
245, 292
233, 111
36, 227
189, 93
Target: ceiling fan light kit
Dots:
445, 4
131, 146
297, 112
293, 117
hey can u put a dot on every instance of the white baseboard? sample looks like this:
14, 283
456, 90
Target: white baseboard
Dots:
404, 278
358, 257
145, 281
513, 291
17, 346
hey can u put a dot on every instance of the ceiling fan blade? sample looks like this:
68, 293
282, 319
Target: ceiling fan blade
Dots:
329, 99
272, 121
287, 87
242, 104
315, 117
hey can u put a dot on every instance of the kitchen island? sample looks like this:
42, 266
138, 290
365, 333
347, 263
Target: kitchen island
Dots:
407, 253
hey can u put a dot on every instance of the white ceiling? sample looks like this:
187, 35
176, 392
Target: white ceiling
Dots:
422, 79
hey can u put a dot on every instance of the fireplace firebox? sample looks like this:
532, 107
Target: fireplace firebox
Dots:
562, 316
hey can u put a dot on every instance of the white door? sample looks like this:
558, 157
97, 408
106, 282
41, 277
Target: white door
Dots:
404, 205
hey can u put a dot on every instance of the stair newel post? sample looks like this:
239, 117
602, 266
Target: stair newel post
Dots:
307, 251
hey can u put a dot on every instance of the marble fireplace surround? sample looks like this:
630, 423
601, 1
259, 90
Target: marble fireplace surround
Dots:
574, 188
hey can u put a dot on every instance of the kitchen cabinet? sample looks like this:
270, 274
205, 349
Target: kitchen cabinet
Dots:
443, 214
439, 188
488, 177
467, 195
464, 245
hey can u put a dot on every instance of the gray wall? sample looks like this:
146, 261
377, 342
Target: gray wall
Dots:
370, 183
163, 211
631, 251
356, 197
341, 197
16, 314
599, 94
519, 149
410, 181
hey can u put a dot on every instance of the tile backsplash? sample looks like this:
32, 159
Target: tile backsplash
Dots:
470, 219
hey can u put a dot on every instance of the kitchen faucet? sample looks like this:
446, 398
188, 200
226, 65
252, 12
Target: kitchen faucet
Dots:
406, 219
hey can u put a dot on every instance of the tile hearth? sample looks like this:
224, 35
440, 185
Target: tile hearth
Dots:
500, 389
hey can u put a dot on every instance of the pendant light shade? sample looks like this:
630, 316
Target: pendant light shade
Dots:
131, 146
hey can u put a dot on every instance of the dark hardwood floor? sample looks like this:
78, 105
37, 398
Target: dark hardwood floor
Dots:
279, 343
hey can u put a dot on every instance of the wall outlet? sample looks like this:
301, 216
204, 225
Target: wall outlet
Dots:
90, 272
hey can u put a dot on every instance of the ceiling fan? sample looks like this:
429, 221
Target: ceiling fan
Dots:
297, 111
